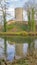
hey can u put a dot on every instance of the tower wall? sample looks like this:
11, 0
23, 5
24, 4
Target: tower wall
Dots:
19, 14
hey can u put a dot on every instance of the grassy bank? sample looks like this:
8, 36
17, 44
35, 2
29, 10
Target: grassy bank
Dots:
14, 33
22, 33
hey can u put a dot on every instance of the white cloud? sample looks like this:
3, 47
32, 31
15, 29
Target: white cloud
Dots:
11, 11
14, 0
25, 15
11, 0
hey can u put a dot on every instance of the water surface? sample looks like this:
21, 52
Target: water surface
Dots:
17, 46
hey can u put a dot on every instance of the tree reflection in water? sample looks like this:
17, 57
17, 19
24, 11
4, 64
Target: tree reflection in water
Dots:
5, 47
31, 45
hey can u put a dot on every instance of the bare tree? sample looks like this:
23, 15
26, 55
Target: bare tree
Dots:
3, 12
31, 8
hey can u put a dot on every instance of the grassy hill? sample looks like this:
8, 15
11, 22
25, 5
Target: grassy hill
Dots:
16, 27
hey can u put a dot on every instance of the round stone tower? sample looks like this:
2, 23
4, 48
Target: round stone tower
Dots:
18, 14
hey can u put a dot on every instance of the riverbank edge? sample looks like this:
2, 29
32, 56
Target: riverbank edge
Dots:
23, 33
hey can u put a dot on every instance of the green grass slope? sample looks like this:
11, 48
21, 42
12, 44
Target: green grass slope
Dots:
16, 27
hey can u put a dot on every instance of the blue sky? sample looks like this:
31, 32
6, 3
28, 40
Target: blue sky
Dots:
16, 3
